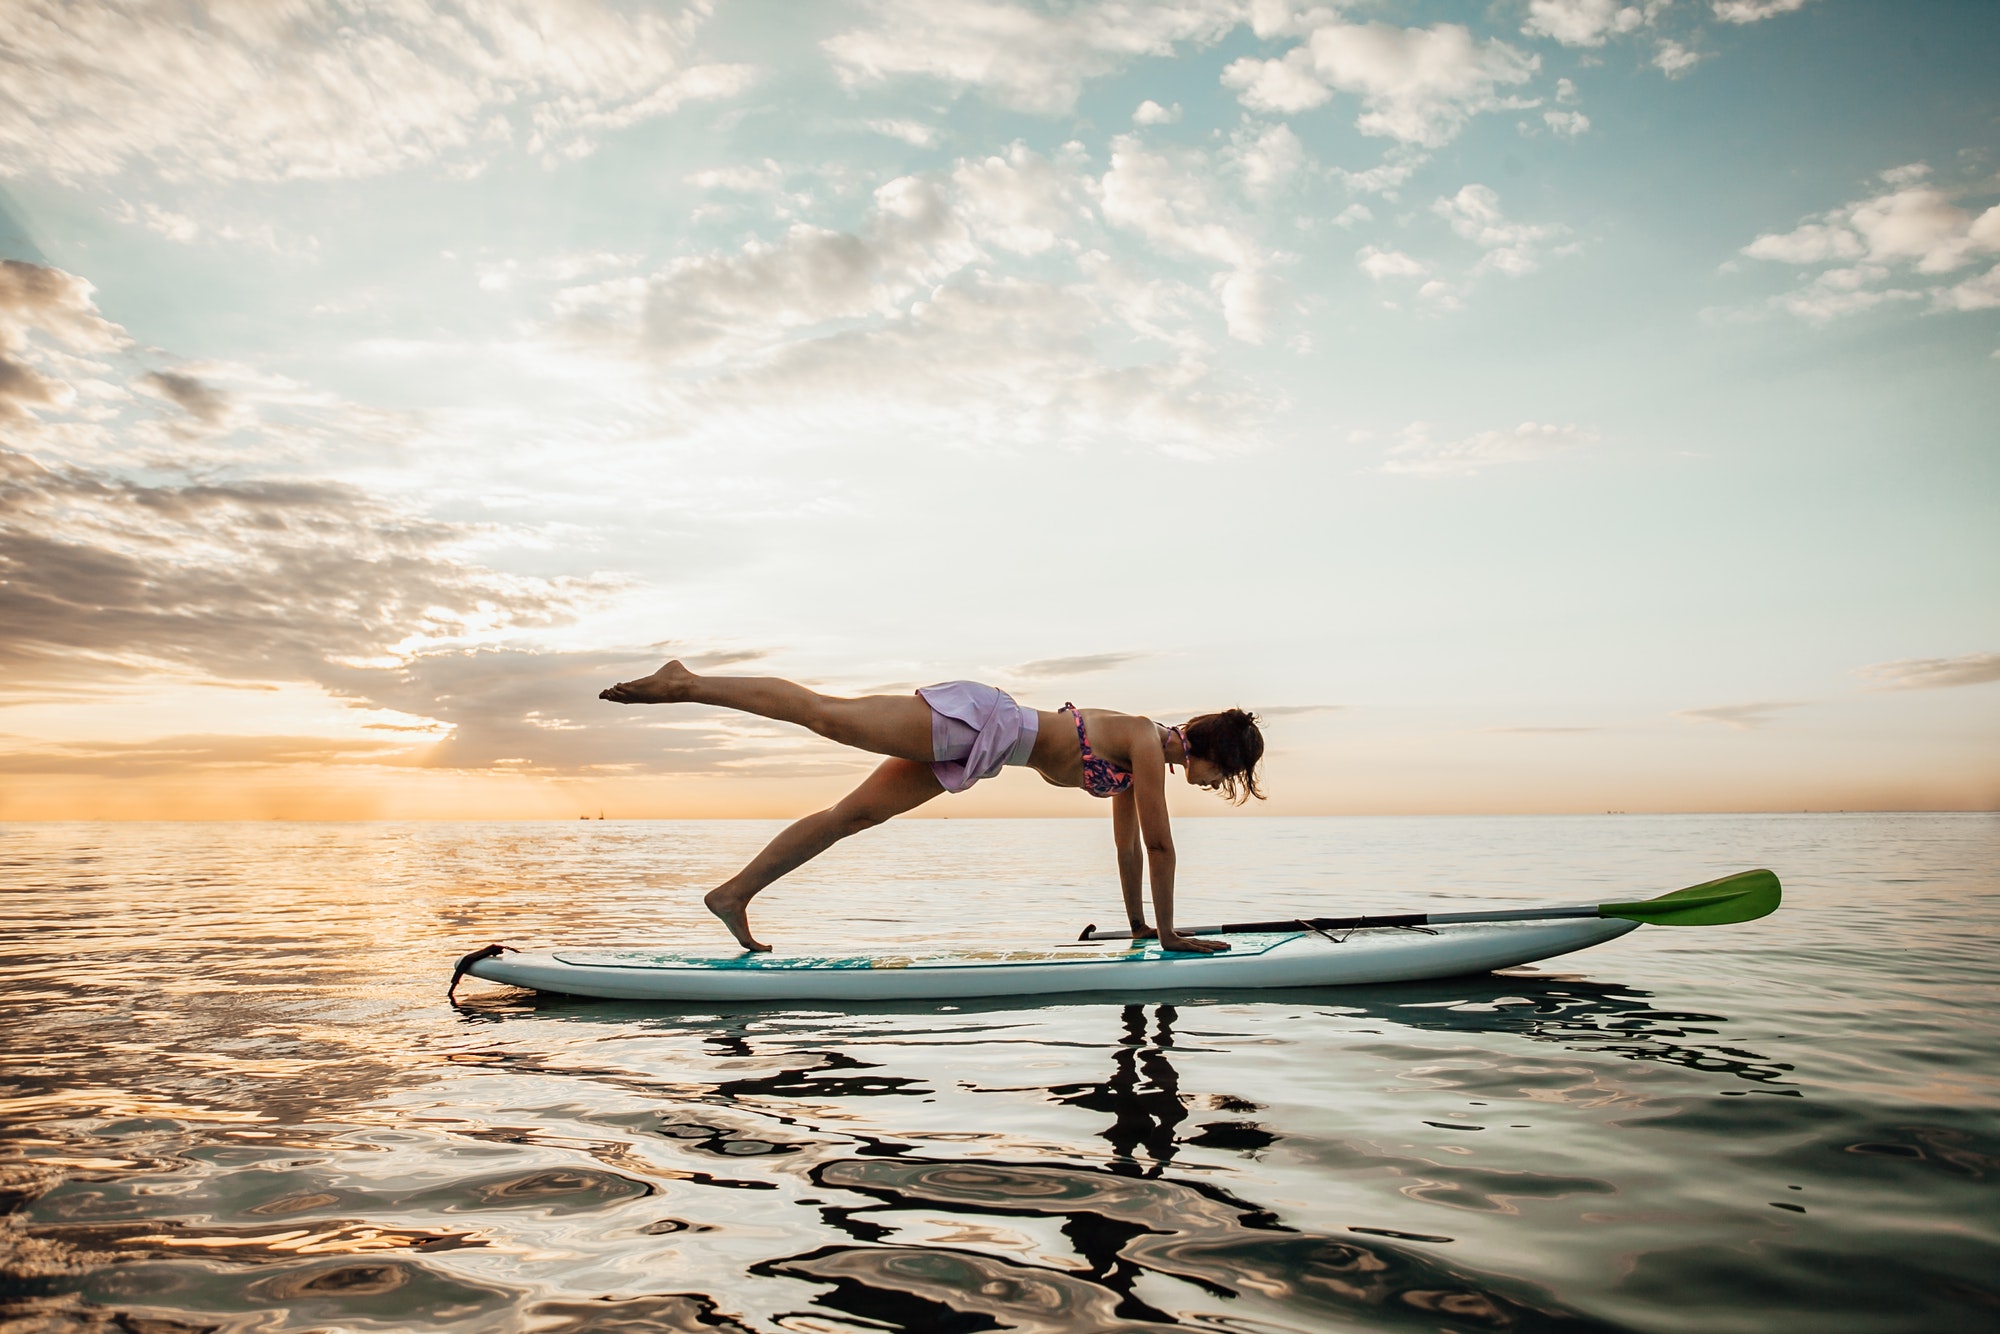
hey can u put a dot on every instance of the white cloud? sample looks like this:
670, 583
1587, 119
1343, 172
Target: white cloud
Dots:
1840, 292
1353, 214
332, 89
1420, 455
1967, 669
1567, 123
1921, 224
1167, 200
1269, 159
1416, 85
1387, 176
1511, 247
1006, 364
905, 319
1581, 22
1441, 294
185, 229
1755, 11
742, 177
1379, 263
912, 132
1281, 87
1978, 293
1912, 229
1026, 57
562, 267
1022, 202
1150, 112
1809, 243
1673, 59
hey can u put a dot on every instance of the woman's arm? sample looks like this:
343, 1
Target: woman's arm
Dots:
1149, 797
1131, 860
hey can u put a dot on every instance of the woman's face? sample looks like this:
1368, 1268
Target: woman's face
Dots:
1204, 773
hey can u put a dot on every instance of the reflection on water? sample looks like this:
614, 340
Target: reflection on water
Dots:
234, 1099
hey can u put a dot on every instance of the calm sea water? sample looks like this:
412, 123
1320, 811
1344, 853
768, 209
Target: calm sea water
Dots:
235, 1099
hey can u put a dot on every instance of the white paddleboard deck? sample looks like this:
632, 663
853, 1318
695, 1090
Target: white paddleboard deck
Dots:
1277, 959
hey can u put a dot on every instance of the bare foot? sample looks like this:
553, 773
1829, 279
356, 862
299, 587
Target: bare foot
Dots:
670, 685
734, 910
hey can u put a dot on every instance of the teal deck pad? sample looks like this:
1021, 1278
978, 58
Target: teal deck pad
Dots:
1244, 946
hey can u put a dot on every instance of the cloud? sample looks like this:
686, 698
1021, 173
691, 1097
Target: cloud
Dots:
1019, 201
709, 308
1582, 22
1024, 57
1167, 200
41, 306
1006, 363
179, 754
1809, 243
1569, 124
1150, 112
1417, 454
1511, 247
539, 712
706, 308
1673, 59
203, 402
1386, 177
1755, 11
1741, 717
1379, 263
1416, 85
744, 177
1909, 232
1967, 669
1081, 665
1268, 159
333, 89
912, 132
257, 578
185, 229
911, 320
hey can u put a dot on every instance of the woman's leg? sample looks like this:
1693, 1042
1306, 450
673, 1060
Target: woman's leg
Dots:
896, 725
895, 786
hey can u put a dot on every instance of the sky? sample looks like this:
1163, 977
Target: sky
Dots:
1549, 405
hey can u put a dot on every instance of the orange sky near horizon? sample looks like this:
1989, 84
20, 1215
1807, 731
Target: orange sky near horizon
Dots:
1324, 765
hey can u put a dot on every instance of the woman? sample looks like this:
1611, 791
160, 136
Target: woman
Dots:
947, 737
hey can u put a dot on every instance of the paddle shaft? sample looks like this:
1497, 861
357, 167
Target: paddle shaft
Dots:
1407, 919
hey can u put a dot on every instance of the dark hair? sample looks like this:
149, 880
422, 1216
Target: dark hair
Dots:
1231, 742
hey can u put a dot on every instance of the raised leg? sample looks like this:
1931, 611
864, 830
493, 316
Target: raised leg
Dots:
895, 786
895, 725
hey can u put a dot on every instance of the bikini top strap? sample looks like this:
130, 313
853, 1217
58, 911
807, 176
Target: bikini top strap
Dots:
1081, 737
1181, 737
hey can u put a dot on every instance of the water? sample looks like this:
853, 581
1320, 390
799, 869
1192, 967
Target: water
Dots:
235, 1098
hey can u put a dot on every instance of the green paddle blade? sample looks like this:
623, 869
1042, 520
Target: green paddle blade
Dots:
1742, 897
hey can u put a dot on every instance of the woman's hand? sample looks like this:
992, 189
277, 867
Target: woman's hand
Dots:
1175, 943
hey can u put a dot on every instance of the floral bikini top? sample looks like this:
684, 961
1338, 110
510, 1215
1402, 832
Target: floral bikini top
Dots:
1102, 778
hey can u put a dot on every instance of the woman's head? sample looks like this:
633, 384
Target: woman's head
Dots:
1229, 746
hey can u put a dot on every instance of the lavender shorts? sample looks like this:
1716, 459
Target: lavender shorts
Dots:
975, 730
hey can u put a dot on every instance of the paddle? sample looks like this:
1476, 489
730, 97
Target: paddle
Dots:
1742, 897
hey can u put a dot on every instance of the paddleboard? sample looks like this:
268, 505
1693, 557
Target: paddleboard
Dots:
1254, 960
